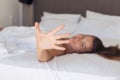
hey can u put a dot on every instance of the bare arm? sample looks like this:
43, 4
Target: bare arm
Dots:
45, 42
44, 55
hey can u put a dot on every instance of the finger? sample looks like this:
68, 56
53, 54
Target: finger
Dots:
62, 36
37, 26
57, 29
62, 42
59, 48
37, 32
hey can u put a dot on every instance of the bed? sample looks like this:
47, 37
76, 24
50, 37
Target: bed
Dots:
18, 49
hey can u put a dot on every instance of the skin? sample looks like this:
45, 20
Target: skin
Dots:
81, 43
50, 45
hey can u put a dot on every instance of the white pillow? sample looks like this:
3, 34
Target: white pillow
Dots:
50, 24
113, 32
98, 28
70, 17
100, 16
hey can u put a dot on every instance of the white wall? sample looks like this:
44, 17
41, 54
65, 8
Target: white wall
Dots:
9, 13
13, 13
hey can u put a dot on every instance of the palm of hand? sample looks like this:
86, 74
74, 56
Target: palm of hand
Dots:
50, 40
46, 41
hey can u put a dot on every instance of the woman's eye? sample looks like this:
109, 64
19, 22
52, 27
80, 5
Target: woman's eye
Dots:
83, 45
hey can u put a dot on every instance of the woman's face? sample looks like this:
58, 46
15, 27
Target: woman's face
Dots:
81, 43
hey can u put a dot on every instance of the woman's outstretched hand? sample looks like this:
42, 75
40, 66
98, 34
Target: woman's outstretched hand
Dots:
50, 40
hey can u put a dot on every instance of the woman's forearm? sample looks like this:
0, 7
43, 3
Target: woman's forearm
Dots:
44, 55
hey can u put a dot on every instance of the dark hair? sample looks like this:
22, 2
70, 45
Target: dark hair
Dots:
108, 52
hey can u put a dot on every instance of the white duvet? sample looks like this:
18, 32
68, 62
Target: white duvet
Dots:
18, 60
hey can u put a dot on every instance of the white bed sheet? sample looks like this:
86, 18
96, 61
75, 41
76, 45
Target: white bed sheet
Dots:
68, 67
20, 63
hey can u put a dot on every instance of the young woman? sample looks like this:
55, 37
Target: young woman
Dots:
50, 45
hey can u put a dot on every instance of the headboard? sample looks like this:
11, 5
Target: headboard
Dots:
111, 7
